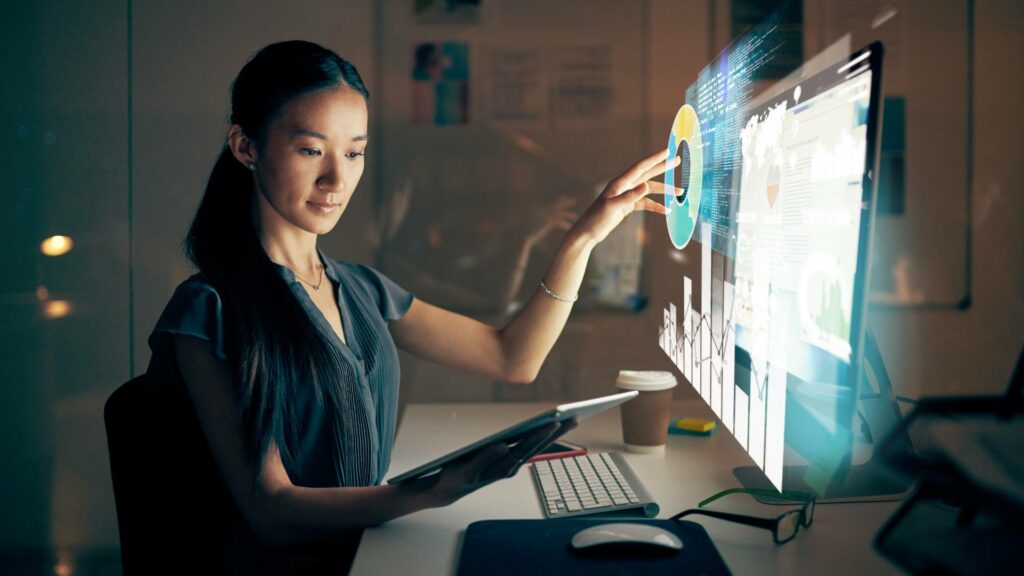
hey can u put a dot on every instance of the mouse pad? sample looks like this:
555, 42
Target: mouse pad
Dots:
537, 547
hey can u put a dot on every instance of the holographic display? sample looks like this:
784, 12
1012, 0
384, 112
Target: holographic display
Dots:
784, 206
720, 99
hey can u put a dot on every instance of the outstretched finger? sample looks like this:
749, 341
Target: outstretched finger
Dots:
652, 164
659, 169
648, 205
660, 188
633, 195
660, 192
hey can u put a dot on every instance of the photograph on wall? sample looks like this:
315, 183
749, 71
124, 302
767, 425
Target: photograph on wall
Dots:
440, 77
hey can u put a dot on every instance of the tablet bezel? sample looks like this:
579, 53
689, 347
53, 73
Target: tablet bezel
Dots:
578, 410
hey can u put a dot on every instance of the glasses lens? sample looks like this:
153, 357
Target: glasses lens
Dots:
809, 514
788, 524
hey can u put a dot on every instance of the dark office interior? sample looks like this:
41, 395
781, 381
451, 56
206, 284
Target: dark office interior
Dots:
112, 114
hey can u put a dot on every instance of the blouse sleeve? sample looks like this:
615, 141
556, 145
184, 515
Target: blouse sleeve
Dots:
392, 300
194, 310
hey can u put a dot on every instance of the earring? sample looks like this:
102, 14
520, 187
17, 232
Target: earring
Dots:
250, 166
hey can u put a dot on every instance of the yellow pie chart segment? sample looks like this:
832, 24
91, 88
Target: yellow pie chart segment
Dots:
684, 205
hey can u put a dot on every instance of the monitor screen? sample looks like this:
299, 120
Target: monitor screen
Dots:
782, 185
799, 233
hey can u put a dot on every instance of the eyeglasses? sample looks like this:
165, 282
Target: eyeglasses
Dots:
783, 527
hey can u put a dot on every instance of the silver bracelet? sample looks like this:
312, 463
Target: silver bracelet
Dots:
557, 296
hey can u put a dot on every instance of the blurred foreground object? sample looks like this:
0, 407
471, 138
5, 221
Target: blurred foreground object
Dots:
966, 515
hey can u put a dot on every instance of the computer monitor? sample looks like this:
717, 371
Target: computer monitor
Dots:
779, 191
803, 228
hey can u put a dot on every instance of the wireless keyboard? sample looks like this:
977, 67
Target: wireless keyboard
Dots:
590, 484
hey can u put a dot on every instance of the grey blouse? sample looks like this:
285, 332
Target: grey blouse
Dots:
368, 300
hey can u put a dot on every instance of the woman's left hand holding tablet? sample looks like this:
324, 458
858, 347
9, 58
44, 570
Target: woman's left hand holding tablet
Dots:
494, 462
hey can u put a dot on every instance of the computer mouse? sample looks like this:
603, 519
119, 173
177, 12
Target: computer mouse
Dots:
626, 538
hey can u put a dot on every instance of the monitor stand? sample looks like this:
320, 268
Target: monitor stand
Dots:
870, 481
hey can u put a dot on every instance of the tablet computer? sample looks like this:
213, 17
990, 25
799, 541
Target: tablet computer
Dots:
578, 410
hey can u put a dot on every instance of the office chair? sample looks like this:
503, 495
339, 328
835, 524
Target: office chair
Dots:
174, 512
166, 485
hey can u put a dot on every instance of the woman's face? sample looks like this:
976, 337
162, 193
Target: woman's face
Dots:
310, 160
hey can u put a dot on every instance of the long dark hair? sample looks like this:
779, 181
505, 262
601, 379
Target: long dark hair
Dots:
273, 344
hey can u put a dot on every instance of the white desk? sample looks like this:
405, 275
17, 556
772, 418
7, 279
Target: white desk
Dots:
692, 468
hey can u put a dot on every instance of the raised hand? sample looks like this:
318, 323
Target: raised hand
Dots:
626, 194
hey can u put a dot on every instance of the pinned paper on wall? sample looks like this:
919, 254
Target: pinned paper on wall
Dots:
516, 86
583, 91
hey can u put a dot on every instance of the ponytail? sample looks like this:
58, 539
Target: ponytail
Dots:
277, 352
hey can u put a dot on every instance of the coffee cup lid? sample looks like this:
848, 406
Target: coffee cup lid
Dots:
645, 380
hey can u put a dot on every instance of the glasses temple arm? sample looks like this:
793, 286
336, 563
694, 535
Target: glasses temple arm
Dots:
757, 521
796, 496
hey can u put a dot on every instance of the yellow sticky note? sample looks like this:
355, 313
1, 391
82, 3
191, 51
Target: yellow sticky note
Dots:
696, 425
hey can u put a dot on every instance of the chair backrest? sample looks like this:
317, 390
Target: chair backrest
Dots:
167, 489
174, 512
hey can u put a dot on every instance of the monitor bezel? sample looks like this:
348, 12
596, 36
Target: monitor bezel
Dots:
869, 192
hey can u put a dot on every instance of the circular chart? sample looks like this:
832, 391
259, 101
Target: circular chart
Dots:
684, 205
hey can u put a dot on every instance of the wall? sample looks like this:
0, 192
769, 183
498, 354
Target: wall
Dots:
974, 350
64, 321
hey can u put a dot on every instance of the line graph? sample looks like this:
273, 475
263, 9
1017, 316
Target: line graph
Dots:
702, 345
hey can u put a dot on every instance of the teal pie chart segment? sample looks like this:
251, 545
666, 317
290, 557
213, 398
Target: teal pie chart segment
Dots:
683, 208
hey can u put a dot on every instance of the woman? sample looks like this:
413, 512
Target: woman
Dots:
289, 357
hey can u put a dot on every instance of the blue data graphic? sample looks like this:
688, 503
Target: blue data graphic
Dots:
719, 102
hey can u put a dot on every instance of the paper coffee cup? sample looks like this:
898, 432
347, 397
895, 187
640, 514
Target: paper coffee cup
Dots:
645, 418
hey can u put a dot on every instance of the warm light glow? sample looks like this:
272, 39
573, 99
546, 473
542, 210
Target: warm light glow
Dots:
64, 566
527, 144
42, 293
56, 245
53, 309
